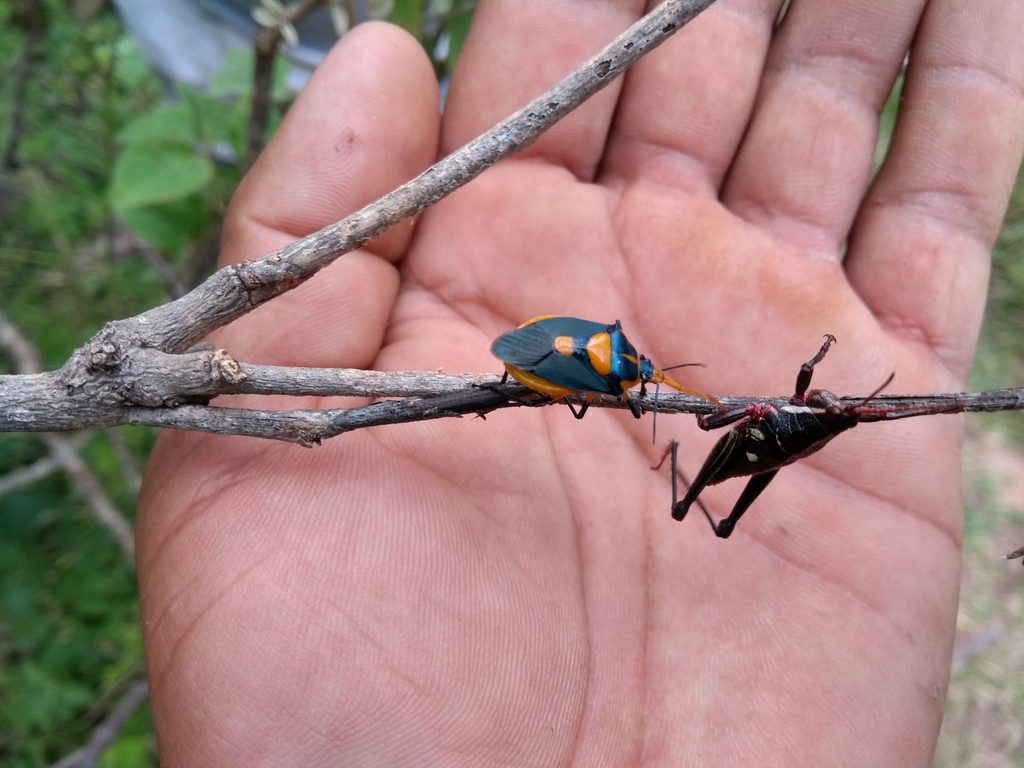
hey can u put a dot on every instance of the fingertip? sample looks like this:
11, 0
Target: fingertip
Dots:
367, 121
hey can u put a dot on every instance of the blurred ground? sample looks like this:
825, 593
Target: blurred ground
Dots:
984, 720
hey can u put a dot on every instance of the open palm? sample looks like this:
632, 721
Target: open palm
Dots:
513, 591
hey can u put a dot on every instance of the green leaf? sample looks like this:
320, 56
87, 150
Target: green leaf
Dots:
235, 76
408, 14
458, 28
150, 173
887, 123
168, 123
130, 69
169, 226
127, 752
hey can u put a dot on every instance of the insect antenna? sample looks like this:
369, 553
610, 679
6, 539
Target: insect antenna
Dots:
875, 394
657, 386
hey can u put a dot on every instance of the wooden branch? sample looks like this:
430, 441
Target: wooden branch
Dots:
91, 488
28, 474
126, 461
141, 369
18, 348
64, 451
233, 291
103, 735
265, 46
310, 427
173, 391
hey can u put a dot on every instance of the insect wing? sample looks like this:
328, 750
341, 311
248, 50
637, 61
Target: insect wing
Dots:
575, 372
524, 347
561, 325
532, 348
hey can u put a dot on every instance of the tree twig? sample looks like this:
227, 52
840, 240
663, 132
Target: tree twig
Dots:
129, 466
91, 488
47, 465
18, 348
137, 370
64, 451
161, 268
236, 290
265, 49
174, 390
103, 735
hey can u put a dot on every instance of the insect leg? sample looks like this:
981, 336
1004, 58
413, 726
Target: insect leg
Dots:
712, 465
583, 408
709, 421
533, 403
678, 473
755, 485
803, 379
634, 406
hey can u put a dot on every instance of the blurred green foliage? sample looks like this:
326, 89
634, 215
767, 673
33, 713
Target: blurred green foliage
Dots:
95, 161
999, 362
58, 278
69, 623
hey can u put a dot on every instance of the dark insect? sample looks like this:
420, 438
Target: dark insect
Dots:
768, 438
564, 356
1015, 554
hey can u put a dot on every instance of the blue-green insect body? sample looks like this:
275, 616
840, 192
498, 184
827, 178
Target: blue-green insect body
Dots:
563, 356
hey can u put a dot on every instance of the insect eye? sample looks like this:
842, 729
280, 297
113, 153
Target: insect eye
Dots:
646, 368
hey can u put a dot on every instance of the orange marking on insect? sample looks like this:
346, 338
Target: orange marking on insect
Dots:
599, 351
534, 320
535, 382
563, 345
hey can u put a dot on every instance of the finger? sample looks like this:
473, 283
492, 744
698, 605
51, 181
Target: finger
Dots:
515, 52
684, 107
350, 137
806, 159
919, 255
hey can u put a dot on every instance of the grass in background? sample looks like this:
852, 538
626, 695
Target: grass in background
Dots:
984, 716
76, 100
1000, 359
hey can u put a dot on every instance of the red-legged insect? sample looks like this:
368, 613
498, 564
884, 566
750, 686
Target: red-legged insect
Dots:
564, 356
768, 438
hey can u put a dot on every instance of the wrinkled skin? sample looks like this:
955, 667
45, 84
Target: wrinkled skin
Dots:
513, 591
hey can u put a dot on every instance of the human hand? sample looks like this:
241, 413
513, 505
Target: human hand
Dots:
514, 591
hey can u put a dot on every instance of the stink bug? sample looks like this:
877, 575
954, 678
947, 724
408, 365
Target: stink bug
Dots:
563, 356
768, 438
